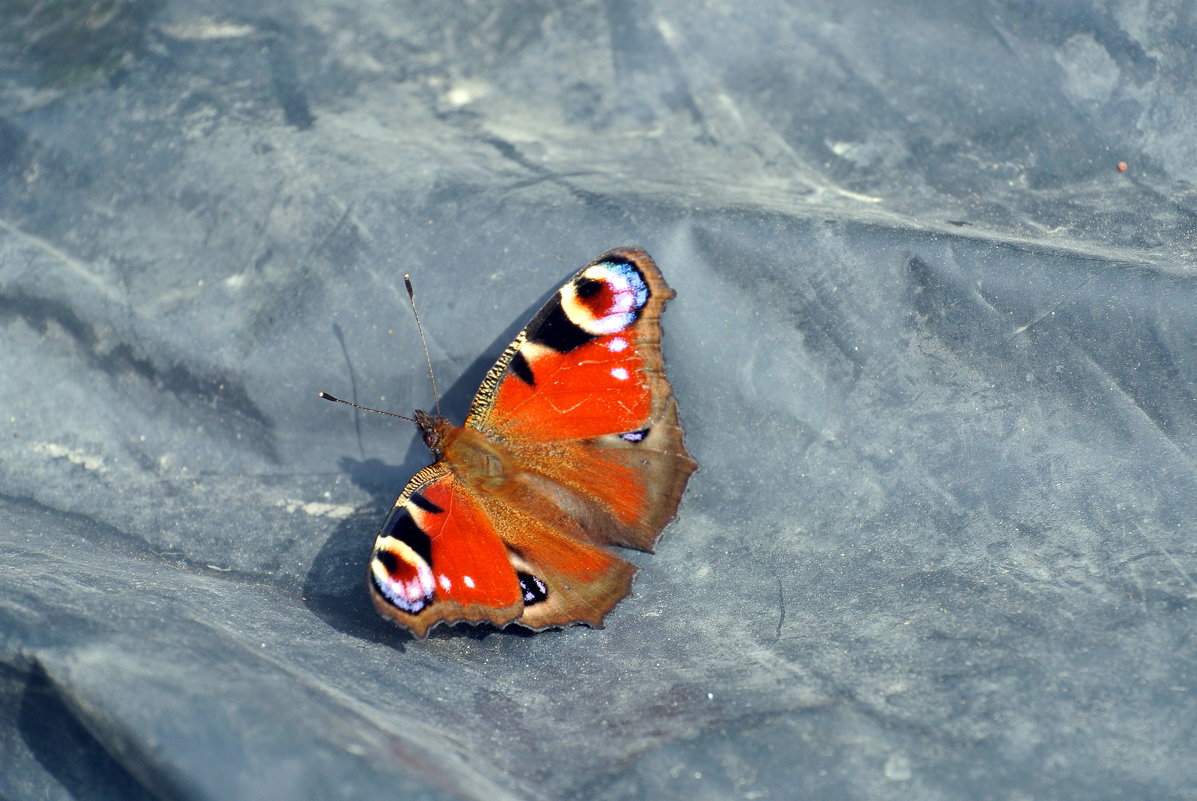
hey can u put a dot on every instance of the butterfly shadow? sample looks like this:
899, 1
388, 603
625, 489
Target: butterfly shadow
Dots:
335, 586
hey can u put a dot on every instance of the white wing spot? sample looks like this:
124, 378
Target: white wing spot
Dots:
445, 582
621, 373
469, 582
617, 345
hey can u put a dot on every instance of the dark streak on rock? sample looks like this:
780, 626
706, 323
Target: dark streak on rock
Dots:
212, 392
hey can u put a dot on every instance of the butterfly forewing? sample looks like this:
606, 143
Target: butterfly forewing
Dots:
583, 395
437, 558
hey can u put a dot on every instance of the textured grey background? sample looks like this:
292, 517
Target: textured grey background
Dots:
934, 352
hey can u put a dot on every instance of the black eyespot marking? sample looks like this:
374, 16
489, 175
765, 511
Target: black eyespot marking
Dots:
425, 504
388, 560
635, 436
588, 287
519, 365
557, 332
400, 526
534, 589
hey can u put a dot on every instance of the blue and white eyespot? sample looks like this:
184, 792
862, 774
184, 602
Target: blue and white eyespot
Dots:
606, 298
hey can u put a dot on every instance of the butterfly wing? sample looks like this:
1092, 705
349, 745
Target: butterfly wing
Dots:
581, 400
447, 553
573, 444
437, 558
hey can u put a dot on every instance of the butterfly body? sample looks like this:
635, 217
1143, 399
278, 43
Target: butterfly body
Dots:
572, 445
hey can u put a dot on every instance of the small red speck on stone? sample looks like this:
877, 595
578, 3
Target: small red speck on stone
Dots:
1122, 166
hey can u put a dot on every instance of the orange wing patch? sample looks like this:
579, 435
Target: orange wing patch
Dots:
597, 388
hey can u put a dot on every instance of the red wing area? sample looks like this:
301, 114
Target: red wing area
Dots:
598, 388
439, 557
588, 364
469, 562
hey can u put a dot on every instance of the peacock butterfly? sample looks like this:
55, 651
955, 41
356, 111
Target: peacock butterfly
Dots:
572, 444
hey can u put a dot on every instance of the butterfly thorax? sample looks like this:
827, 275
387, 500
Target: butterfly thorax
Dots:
466, 451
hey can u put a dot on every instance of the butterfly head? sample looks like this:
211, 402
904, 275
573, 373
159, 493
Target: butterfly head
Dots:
433, 428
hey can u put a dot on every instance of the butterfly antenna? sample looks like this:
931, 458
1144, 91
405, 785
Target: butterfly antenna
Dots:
328, 397
411, 296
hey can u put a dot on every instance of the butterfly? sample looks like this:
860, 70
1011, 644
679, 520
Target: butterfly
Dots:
571, 445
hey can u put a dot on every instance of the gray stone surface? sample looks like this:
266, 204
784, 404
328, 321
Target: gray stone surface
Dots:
934, 353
